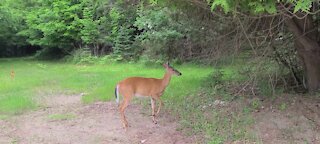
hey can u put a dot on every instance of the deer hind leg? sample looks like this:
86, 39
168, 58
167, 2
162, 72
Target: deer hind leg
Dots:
122, 108
153, 102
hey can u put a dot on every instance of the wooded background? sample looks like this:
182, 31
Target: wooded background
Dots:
204, 31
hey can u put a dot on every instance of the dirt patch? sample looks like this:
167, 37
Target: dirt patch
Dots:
66, 120
289, 119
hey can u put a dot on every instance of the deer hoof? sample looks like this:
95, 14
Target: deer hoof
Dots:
125, 125
155, 122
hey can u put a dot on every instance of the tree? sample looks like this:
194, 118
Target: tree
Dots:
161, 33
53, 25
89, 31
301, 18
11, 22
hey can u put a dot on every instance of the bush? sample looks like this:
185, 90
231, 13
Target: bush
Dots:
160, 33
49, 54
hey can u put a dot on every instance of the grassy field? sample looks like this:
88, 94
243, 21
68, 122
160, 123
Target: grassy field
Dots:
189, 97
39, 78
192, 98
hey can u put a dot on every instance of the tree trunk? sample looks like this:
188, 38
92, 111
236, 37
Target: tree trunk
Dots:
307, 45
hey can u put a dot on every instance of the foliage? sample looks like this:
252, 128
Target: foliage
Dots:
129, 30
11, 22
260, 6
54, 25
123, 44
289, 59
160, 33
158, 30
98, 25
123, 32
89, 32
298, 16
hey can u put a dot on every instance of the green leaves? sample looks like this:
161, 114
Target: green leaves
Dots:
226, 5
89, 32
160, 32
303, 5
262, 6
123, 44
244, 5
259, 6
11, 22
54, 25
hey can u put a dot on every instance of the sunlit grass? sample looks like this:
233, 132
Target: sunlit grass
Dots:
97, 82
15, 103
185, 97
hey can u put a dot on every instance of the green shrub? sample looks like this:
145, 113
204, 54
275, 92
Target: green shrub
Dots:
161, 34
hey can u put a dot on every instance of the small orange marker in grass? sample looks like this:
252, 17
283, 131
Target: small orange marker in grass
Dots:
12, 74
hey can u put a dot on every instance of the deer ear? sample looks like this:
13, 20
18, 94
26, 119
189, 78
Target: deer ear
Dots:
166, 65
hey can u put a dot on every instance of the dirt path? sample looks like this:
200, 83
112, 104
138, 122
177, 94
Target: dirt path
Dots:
65, 120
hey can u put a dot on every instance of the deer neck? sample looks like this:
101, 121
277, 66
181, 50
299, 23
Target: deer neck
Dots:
166, 80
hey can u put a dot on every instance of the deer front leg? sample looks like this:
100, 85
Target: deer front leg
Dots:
153, 110
160, 105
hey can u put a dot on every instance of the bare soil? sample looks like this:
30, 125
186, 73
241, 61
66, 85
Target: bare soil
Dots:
284, 120
88, 124
288, 119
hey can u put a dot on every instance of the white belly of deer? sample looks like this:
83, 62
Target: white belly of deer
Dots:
139, 95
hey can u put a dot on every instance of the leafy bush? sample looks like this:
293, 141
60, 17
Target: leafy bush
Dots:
49, 54
160, 33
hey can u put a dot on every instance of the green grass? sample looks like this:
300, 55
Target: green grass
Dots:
37, 78
186, 96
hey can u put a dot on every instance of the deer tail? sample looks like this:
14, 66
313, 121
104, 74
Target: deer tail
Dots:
116, 93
